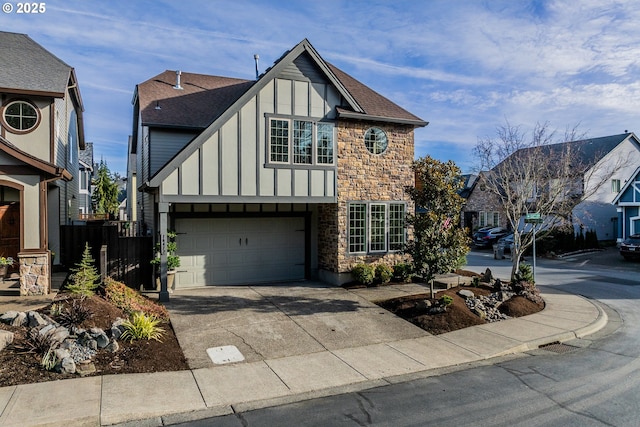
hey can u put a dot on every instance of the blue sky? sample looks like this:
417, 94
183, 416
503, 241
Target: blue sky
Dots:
463, 66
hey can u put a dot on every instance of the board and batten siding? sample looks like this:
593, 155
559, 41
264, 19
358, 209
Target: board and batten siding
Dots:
232, 164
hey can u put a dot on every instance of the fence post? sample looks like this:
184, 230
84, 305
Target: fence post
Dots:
103, 263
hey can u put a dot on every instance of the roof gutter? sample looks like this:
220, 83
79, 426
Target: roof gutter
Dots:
368, 117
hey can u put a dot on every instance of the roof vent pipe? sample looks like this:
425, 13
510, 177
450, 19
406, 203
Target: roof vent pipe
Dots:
256, 57
177, 86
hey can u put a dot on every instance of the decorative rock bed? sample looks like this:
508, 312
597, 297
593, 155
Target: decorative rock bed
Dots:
72, 349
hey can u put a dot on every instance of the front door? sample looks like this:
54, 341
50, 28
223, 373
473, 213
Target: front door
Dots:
10, 230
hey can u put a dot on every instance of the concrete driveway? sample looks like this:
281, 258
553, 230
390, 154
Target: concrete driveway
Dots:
274, 321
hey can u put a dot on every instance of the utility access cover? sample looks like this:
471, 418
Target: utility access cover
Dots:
225, 354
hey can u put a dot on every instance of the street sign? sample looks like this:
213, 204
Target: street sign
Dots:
533, 218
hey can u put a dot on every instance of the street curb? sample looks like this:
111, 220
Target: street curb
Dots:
182, 417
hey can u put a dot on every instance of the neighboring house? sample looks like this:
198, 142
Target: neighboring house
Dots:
606, 161
84, 181
41, 133
627, 203
297, 175
482, 208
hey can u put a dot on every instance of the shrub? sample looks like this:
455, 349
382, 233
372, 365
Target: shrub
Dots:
142, 326
383, 273
363, 273
132, 301
402, 272
75, 314
49, 360
446, 300
475, 281
525, 273
85, 276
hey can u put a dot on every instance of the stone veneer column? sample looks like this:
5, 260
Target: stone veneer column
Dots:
35, 274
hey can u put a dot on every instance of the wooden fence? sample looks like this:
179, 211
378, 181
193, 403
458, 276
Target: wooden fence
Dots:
129, 251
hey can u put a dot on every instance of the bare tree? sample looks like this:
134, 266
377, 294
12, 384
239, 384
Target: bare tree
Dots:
537, 174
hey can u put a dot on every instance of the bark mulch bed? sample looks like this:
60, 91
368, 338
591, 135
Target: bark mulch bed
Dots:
20, 367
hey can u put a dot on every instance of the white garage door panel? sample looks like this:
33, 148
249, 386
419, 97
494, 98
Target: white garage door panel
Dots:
239, 251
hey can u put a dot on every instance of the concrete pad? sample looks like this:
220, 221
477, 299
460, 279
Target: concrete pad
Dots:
55, 403
583, 317
5, 396
434, 352
481, 342
314, 372
139, 396
325, 302
570, 303
382, 293
256, 342
522, 330
292, 289
379, 361
550, 320
231, 384
373, 326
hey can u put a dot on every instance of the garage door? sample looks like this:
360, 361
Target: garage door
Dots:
239, 250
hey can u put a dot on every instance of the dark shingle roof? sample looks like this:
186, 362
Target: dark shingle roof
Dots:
27, 66
587, 151
372, 102
204, 98
200, 101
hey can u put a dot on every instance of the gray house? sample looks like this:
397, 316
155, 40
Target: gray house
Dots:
297, 175
41, 133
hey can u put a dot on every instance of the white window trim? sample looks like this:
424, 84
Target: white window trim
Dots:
314, 142
368, 227
385, 228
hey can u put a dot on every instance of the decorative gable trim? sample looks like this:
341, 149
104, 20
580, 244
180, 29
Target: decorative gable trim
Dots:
630, 184
265, 78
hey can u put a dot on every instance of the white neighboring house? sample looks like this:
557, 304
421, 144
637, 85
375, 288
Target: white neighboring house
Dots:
614, 159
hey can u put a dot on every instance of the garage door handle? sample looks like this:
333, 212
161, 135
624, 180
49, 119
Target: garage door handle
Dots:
246, 241
240, 241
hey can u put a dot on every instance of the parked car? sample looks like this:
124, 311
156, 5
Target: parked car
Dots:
487, 236
630, 247
505, 243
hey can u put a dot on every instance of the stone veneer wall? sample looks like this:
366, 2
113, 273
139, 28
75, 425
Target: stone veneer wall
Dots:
484, 201
363, 176
35, 273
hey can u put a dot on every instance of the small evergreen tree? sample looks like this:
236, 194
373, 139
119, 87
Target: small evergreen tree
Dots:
105, 191
85, 278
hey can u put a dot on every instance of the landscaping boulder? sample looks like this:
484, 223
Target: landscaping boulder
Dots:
6, 338
466, 294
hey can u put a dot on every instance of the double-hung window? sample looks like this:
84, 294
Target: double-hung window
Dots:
376, 227
300, 142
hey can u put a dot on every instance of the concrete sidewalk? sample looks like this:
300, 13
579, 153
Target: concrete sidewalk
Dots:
342, 343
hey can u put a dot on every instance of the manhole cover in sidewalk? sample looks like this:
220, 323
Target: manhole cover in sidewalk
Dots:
557, 347
225, 354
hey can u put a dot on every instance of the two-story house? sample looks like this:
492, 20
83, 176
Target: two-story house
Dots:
603, 164
41, 133
85, 175
299, 174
